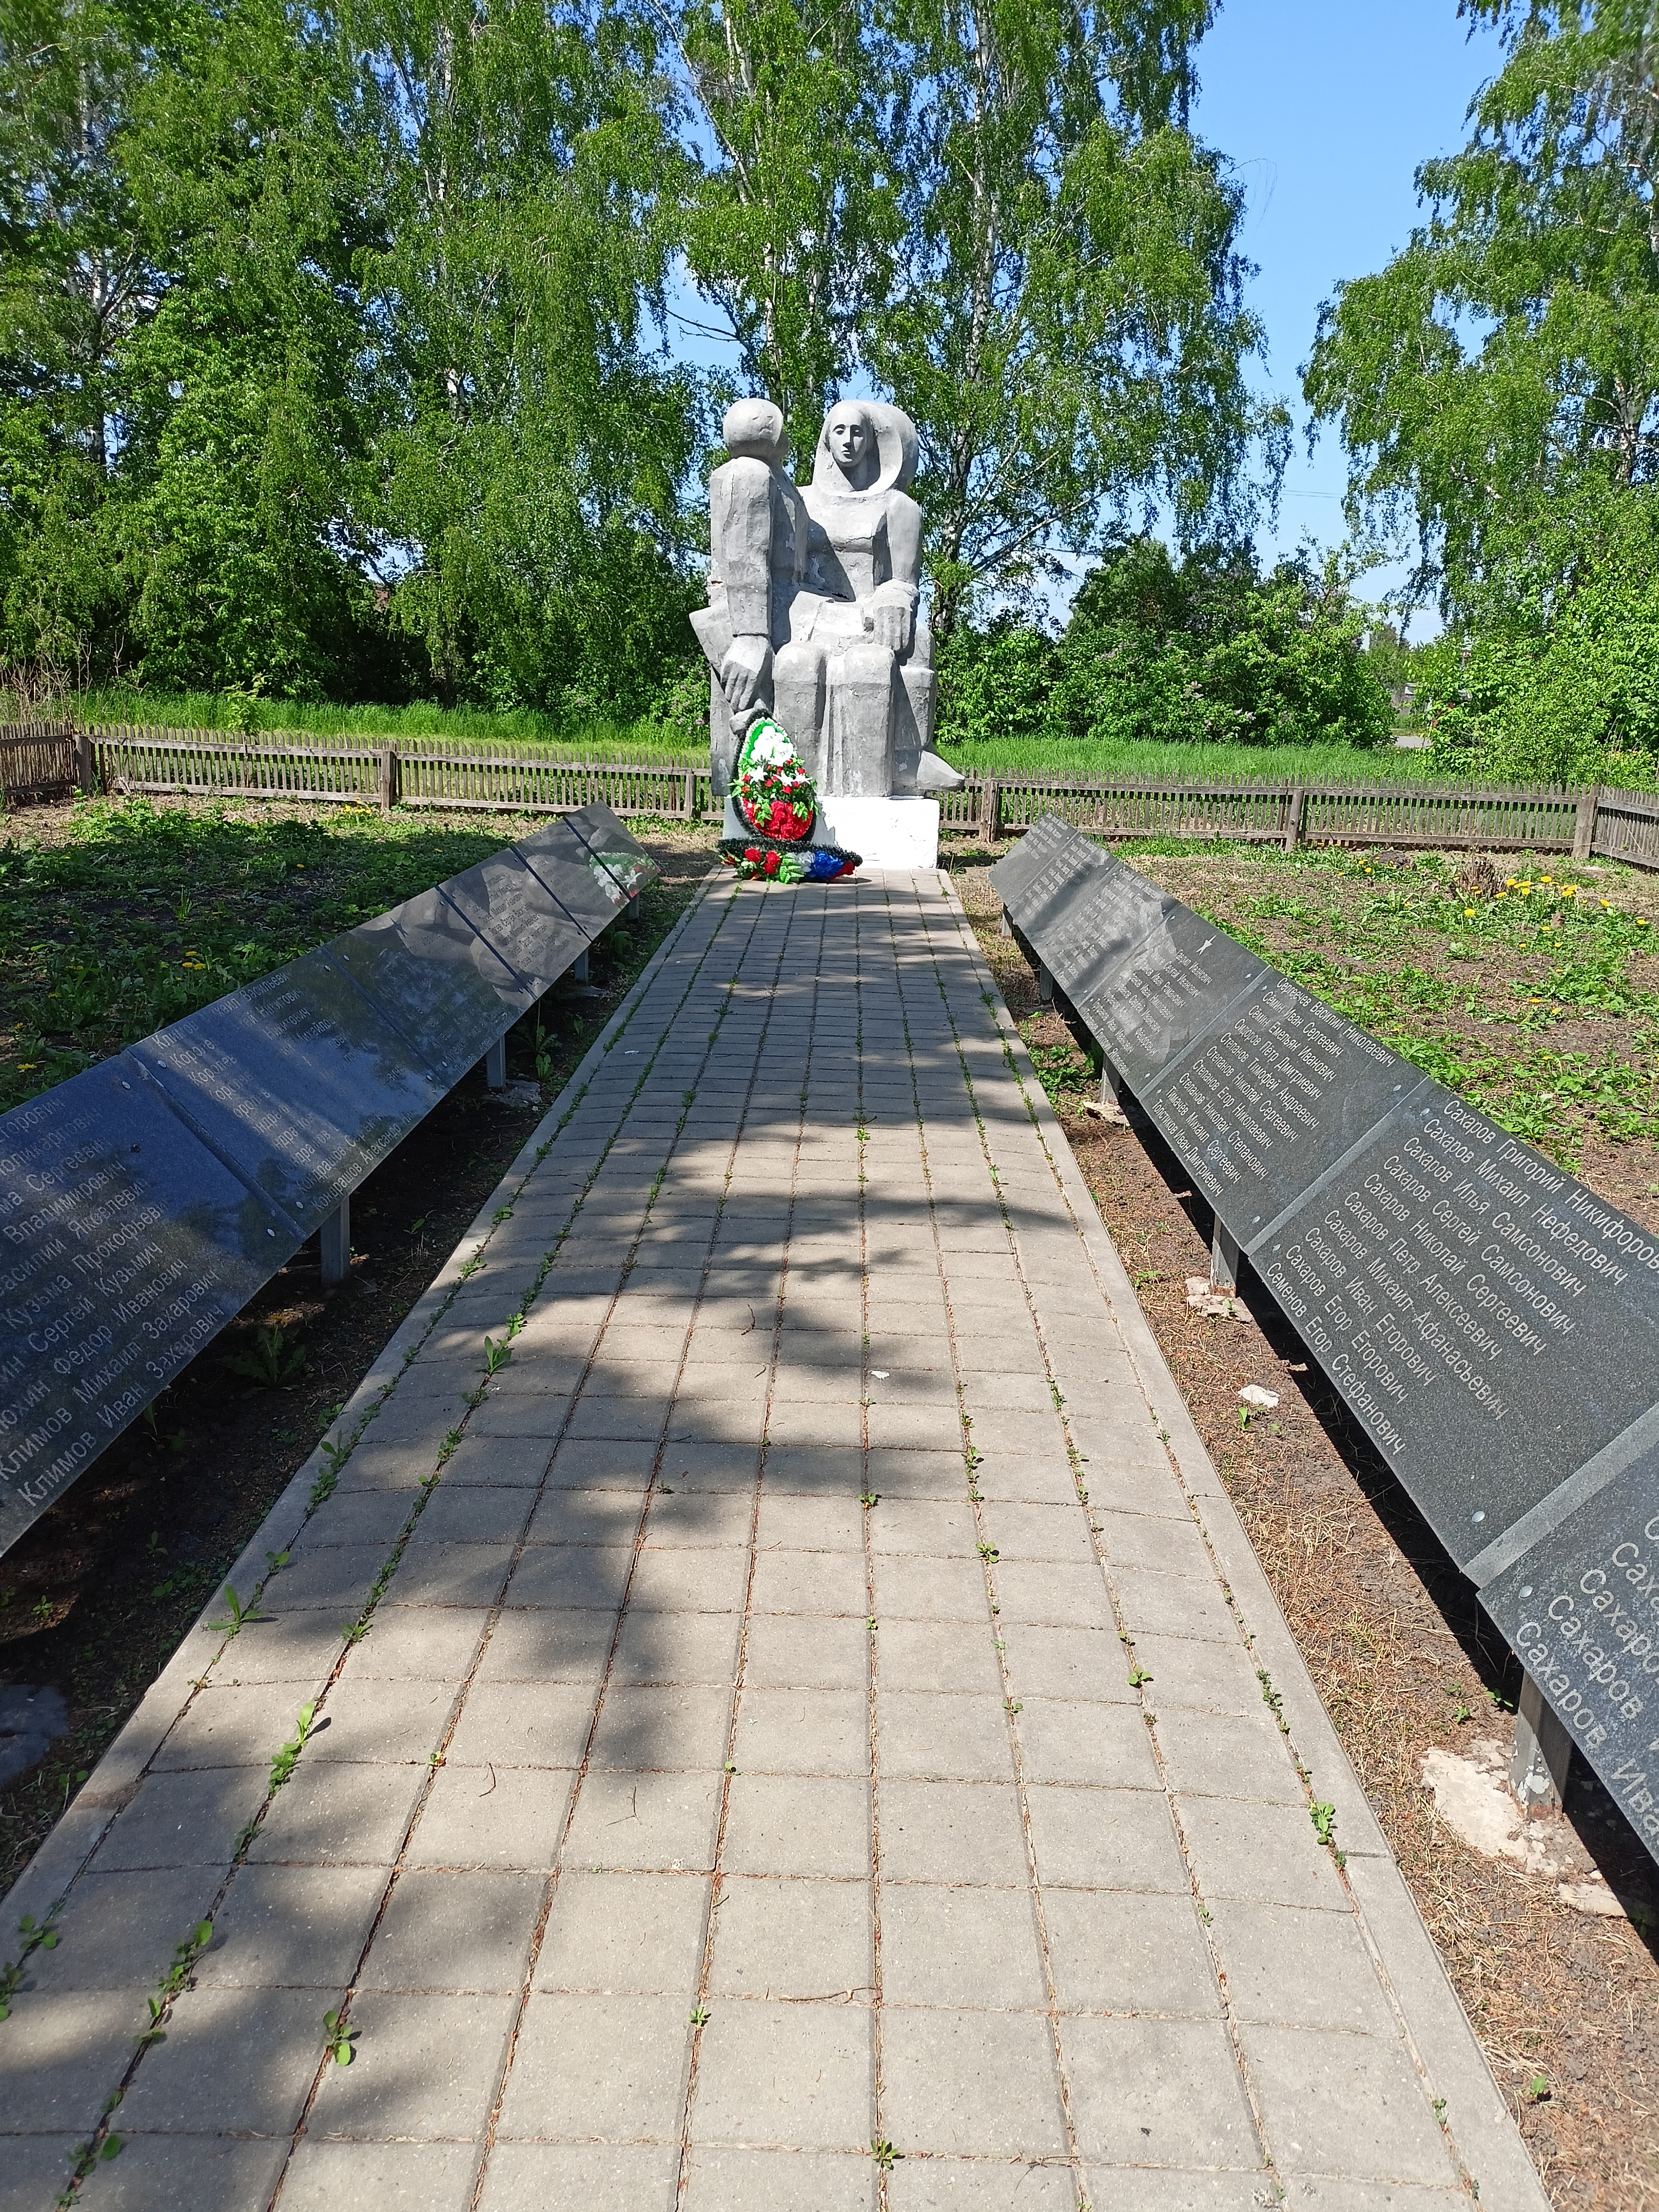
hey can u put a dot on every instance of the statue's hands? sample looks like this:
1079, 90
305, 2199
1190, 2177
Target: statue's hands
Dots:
746, 673
892, 613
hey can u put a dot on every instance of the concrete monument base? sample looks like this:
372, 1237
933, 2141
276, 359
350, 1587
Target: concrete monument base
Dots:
885, 833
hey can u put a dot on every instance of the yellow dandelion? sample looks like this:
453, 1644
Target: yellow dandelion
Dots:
1467, 911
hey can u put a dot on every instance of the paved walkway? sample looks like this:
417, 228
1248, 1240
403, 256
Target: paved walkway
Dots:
809, 1748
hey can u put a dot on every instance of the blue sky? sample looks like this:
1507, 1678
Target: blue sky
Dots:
1326, 108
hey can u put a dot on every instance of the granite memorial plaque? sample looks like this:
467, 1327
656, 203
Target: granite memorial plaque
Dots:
1274, 1095
446, 992
1580, 1606
1490, 1324
613, 847
1048, 895
1015, 871
124, 1246
296, 1082
143, 1203
510, 906
1164, 994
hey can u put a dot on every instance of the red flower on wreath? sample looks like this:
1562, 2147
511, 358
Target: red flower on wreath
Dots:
772, 864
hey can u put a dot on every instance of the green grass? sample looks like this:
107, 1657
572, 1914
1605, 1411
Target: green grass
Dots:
140, 914
1476, 991
1175, 763
648, 741
599, 738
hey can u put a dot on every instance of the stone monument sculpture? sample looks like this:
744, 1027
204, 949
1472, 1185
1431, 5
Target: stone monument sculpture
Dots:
813, 620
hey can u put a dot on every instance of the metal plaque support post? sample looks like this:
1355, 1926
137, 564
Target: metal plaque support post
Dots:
1111, 1084
1543, 1751
335, 1235
579, 967
1004, 927
496, 1064
1045, 984
1224, 1260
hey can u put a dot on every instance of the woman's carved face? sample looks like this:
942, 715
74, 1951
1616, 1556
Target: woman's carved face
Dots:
851, 440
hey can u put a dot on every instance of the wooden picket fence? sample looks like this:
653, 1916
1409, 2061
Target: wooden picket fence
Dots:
44, 761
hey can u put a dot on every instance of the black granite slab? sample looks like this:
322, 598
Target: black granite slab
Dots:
621, 855
509, 905
1581, 1607
1016, 870
1275, 1095
142, 1204
296, 1082
124, 1246
1490, 1324
1111, 912
1047, 895
1149, 1006
433, 979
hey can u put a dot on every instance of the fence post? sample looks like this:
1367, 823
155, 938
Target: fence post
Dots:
388, 778
1584, 830
1294, 815
990, 810
86, 765
689, 806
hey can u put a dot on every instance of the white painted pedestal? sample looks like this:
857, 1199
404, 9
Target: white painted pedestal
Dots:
885, 833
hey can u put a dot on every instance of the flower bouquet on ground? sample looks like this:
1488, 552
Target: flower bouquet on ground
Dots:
787, 863
774, 793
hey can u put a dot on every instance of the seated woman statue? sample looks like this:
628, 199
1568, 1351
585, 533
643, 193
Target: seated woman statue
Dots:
855, 683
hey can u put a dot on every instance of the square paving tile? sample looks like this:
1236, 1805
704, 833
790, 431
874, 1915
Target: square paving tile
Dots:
532, 2176
777, 1937
807, 1652
1349, 2104
605, 2066
1107, 1745
1299, 1969
1241, 1755
553, 1575
410, 1642
679, 1579
909, 1589
625, 1934
1159, 2091
971, 2081
1106, 1840
159, 2169
803, 1732
230, 2066
952, 1832
1083, 1666
471, 1514
1174, 1605
542, 1647
425, 2066
800, 1582
645, 1822
810, 1524
956, 1655
974, 1947
492, 1816
929, 1529
786, 1824
332, 1814
697, 1650
292, 1927
226, 1727
57, 2076
666, 1727
1121, 1951
1051, 1595
930, 1736
120, 1930
1217, 1678
366, 1721
183, 1820
1268, 1852
460, 1932
499, 1724
725, 2180
798, 2075
949, 2184
437, 2177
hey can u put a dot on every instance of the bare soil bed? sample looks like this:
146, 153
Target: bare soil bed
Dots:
96, 1597
1566, 2002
